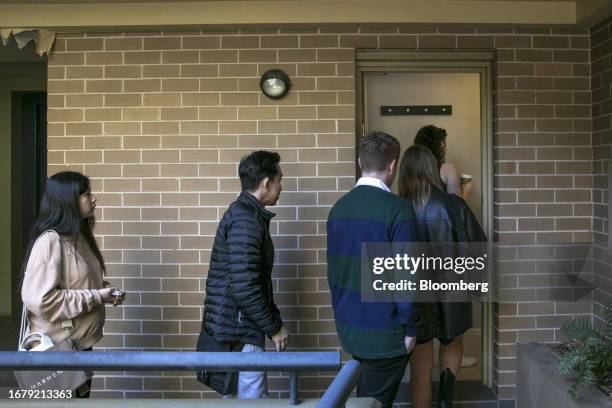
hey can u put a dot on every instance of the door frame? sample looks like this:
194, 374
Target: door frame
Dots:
481, 62
28, 174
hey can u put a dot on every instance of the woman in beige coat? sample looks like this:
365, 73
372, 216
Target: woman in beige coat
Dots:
63, 268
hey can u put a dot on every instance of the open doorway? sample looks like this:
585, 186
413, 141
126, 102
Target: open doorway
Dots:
459, 80
461, 91
28, 174
23, 77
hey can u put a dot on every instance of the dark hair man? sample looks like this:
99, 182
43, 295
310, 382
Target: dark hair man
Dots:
380, 335
239, 306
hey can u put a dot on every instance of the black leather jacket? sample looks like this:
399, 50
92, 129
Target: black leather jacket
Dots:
446, 218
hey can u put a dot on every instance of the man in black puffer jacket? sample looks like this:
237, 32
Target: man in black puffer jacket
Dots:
239, 306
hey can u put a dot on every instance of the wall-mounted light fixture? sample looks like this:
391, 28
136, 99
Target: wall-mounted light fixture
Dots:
275, 83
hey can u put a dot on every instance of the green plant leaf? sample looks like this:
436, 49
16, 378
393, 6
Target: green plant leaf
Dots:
589, 353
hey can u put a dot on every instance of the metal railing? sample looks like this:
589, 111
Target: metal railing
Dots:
293, 362
339, 390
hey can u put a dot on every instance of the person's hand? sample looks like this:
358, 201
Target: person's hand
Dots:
466, 189
281, 338
410, 343
106, 296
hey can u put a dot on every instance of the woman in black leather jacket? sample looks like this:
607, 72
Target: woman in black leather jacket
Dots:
441, 217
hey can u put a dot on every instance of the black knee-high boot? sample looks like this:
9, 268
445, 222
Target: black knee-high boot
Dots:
447, 387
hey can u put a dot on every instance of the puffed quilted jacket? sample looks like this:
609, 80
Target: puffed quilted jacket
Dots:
239, 305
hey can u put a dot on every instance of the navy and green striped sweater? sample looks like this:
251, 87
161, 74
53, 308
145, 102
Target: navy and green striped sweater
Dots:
369, 330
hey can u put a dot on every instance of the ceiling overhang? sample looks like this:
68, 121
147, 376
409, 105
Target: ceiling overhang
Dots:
135, 14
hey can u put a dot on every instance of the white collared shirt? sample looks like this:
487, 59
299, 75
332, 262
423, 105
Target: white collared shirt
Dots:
373, 182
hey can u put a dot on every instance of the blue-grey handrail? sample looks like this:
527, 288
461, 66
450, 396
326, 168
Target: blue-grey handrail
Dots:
169, 360
294, 362
339, 390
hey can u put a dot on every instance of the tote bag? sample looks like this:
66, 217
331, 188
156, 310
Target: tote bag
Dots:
48, 379
224, 382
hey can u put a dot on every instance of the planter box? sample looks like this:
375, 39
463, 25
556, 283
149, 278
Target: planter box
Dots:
539, 384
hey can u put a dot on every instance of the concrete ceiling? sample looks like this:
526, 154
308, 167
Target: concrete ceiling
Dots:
126, 14
10, 53
185, 1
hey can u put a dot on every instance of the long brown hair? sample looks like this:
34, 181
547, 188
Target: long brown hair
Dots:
418, 172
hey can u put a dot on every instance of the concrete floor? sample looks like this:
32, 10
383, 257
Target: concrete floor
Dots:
178, 403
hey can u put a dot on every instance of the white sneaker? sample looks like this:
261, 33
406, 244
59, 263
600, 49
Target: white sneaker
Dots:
468, 361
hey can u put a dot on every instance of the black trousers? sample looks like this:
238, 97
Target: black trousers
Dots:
381, 378
84, 390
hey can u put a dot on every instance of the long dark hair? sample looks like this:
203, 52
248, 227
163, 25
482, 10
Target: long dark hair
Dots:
60, 212
433, 138
418, 173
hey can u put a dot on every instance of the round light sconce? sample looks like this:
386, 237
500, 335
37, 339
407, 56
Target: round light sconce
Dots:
275, 84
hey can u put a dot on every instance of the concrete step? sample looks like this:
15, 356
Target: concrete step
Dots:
7, 380
180, 403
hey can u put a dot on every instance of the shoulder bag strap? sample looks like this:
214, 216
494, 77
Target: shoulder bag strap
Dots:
67, 324
23, 326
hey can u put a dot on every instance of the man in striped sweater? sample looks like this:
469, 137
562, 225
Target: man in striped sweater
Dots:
380, 335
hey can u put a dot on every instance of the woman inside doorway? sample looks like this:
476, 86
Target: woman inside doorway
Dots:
419, 182
434, 139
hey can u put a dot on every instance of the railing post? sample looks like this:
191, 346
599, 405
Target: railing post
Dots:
339, 390
293, 389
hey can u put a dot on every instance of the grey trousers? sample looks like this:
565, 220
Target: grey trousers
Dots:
251, 384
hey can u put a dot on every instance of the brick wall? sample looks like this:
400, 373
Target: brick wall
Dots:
543, 176
159, 121
601, 78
